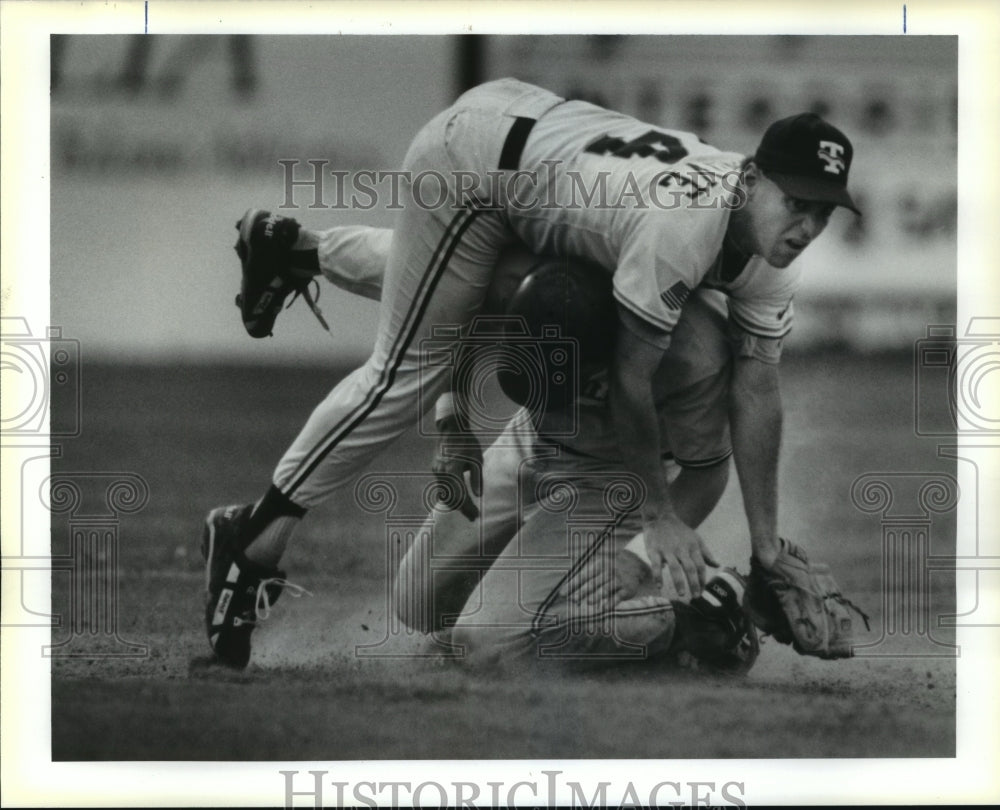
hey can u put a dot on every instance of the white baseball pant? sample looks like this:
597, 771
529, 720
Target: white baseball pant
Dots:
439, 268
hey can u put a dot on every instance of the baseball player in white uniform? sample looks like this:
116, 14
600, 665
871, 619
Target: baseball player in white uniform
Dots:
557, 513
525, 164
546, 460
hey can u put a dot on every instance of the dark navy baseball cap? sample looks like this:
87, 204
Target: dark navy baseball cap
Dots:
808, 159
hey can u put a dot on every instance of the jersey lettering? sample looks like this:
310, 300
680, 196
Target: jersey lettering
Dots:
699, 179
665, 148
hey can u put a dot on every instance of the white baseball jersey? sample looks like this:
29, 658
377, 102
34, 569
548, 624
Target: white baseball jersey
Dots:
651, 205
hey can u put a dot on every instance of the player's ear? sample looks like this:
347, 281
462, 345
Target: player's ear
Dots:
751, 177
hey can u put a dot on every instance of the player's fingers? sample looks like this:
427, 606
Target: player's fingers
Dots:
702, 570
694, 575
593, 583
656, 563
469, 509
476, 478
583, 583
698, 558
618, 591
603, 601
679, 576
624, 587
708, 556
621, 584
600, 593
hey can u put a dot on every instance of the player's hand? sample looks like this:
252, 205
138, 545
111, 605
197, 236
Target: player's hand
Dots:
458, 452
672, 544
598, 587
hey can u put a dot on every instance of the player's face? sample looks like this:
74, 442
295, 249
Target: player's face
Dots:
781, 227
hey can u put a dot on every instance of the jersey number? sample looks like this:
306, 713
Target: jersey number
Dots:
665, 148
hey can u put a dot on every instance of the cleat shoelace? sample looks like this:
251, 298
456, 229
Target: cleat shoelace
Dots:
262, 606
312, 302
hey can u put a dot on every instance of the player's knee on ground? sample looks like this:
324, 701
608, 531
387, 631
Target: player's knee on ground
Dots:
633, 630
412, 589
429, 591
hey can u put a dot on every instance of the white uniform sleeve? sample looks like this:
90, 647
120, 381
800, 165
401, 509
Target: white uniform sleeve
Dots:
665, 259
766, 318
761, 310
747, 344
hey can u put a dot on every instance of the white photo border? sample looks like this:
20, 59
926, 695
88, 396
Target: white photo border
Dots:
31, 779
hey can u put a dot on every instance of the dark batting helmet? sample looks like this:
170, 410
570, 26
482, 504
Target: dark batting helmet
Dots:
565, 330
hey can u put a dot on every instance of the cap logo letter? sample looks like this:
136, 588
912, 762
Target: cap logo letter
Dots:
830, 152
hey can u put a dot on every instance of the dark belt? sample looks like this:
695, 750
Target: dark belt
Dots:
510, 155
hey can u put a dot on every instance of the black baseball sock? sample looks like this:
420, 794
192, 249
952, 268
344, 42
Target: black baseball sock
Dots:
275, 504
305, 260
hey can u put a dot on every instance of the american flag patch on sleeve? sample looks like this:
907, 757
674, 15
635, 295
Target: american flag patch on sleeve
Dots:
675, 297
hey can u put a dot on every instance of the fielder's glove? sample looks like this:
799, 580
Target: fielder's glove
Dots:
799, 603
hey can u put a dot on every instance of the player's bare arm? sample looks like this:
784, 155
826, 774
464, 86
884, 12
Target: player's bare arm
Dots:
670, 542
756, 421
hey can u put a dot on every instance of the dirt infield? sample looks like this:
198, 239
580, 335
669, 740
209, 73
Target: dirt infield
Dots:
319, 686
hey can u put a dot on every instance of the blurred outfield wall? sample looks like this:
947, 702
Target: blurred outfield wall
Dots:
159, 143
